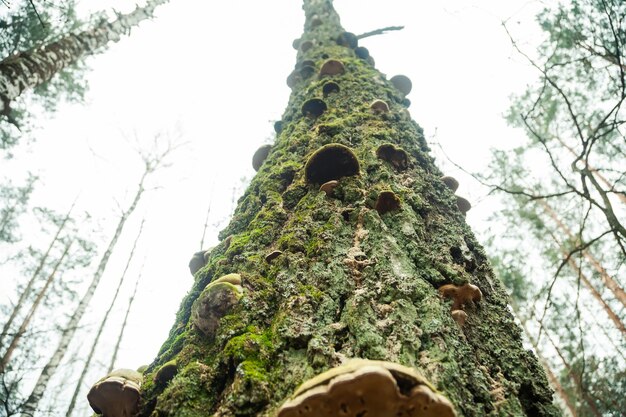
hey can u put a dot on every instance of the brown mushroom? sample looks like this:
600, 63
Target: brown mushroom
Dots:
461, 295
117, 394
463, 205
348, 39
293, 78
273, 255
379, 106
260, 155
397, 157
296, 43
332, 67
314, 108
329, 186
196, 262
450, 182
278, 126
330, 88
459, 316
402, 83
367, 388
331, 162
387, 201
227, 241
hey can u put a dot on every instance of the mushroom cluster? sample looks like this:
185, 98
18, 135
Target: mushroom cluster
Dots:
461, 296
367, 388
463, 204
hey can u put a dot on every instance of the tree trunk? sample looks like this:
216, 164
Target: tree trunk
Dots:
28, 69
354, 271
33, 278
33, 309
607, 279
103, 323
30, 406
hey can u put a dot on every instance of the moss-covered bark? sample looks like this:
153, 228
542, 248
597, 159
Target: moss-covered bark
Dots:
356, 276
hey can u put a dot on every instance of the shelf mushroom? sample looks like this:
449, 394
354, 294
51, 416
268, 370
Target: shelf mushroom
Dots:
117, 394
331, 162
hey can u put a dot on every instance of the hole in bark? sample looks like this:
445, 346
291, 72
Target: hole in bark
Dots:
325, 56
331, 162
457, 255
330, 88
314, 108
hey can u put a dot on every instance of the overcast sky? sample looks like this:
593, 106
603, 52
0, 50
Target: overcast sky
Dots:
214, 74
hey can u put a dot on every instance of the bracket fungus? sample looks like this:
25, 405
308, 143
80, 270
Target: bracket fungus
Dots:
332, 67
215, 301
260, 156
331, 162
314, 108
348, 39
387, 201
197, 261
316, 21
117, 394
397, 157
402, 83
329, 186
450, 182
463, 205
459, 316
166, 373
406, 102
379, 106
367, 388
278, 126
305, 46
461, 295
330, 88
362, 52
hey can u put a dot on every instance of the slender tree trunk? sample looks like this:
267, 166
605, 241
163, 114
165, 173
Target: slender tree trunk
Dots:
358, 269
120, 337
103, 323
206, 219
31, 404
30, 68
606, 278
33, 278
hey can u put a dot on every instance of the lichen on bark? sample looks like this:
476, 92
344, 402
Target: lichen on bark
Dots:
350, 281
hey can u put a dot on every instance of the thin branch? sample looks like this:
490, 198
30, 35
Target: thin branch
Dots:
379, 31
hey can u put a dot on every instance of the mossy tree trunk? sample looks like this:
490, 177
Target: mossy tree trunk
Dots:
355, 276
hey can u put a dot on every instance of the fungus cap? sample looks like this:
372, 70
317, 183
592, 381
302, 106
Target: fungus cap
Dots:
387, 201
461, 295
332, 67
260, 156
450, 182
314, 108
329, 186
379, 106
372, 388
362, 52
166, 373
196, 262
348, 39
406, 102
215, 301
331, 162
316, 21
402, 83
296, 43
463, 205
117, 394
330, 88
305, 46
278, 126
459, 316
397, 157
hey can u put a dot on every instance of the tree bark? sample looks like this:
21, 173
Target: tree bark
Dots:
103, 323
30, 68
354, 273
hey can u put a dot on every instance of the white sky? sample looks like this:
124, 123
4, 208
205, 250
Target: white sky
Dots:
215, 72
